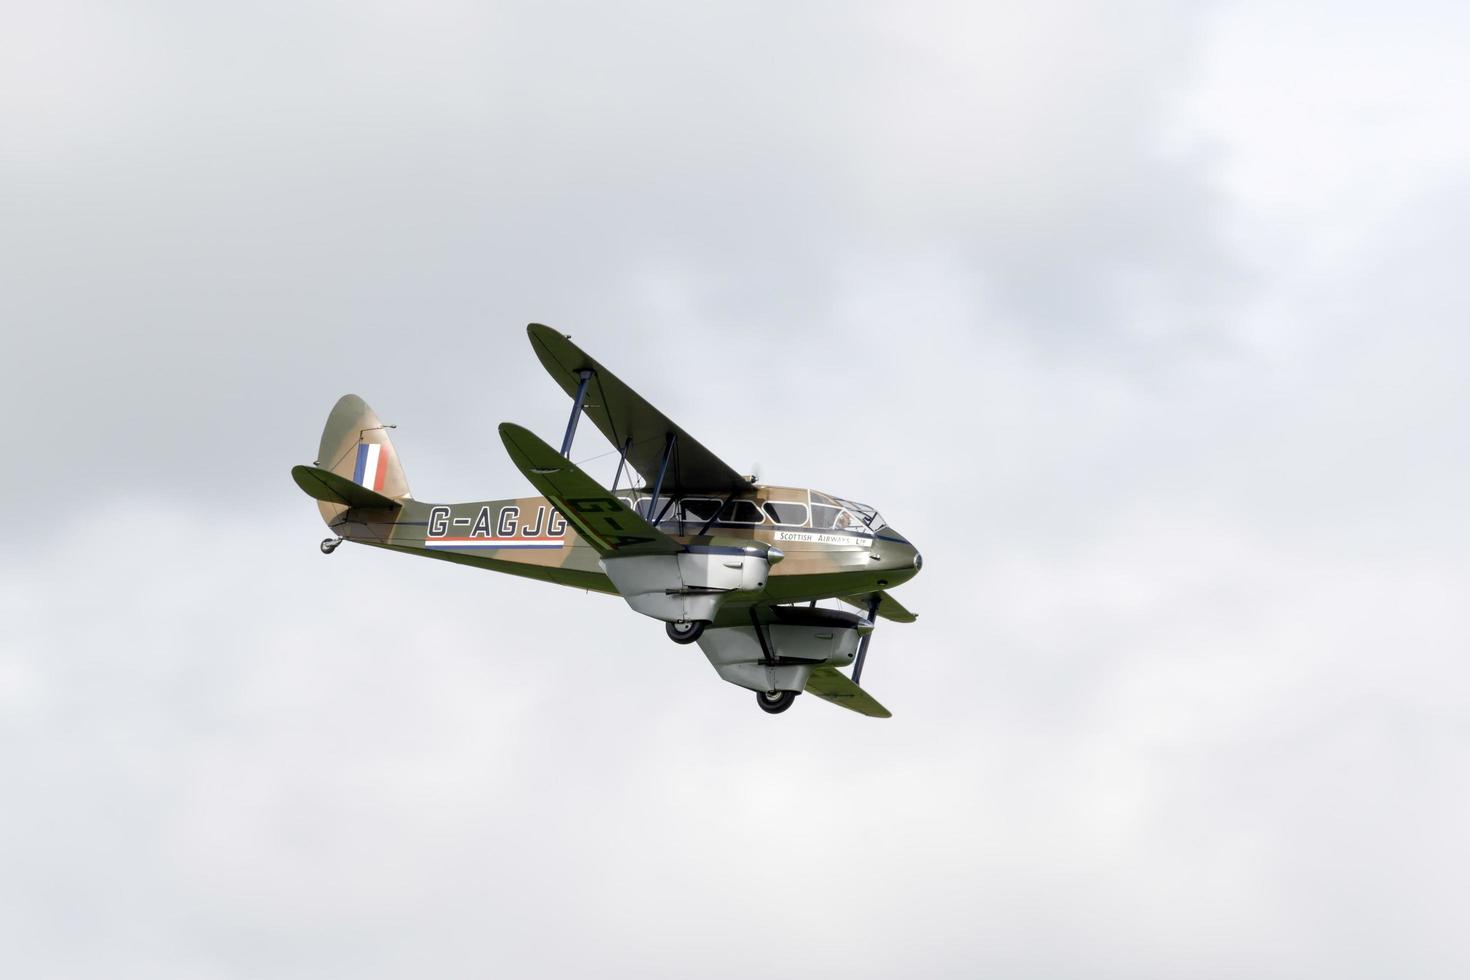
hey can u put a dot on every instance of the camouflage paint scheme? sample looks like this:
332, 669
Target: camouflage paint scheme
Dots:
788, 545
526, 536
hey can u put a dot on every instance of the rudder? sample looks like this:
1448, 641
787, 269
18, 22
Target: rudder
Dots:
355, 446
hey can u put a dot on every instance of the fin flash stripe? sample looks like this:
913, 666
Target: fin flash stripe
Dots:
372, 466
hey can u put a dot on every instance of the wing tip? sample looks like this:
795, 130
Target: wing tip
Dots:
518, 437
540, 331
516, 429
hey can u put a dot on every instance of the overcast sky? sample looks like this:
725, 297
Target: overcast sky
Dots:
1145, 321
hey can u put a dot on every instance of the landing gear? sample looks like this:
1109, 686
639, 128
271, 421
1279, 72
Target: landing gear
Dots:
329, 545
686, 631
774, 702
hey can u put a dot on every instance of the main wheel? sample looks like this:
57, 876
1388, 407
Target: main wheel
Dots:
685, 632
774, 702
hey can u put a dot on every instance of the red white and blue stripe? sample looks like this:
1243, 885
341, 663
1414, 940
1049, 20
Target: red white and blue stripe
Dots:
372, 466
480, 544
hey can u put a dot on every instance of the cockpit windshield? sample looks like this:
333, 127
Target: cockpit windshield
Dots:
839, 514
868, 515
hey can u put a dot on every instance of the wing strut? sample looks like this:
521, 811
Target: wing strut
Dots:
862, 654
622, 461
719, 510
566, 442
760, 634
658, 484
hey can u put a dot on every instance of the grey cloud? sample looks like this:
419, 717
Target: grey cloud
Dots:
282, 201
1184, 457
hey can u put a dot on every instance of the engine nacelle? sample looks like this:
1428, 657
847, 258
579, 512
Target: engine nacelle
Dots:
691, 585
799, 640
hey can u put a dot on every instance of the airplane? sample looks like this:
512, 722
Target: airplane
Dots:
733, 565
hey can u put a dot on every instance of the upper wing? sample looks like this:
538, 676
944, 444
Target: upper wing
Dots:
889, 608
621, 414
602, 519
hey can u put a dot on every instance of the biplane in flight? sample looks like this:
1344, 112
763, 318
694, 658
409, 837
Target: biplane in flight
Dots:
733, 565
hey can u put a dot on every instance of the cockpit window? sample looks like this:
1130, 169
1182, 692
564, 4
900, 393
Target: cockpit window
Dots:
824, 515
849, 517
866, 516
783, 512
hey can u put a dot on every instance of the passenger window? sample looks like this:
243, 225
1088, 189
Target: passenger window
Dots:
696, 509
740, 512
663, 506
792, 515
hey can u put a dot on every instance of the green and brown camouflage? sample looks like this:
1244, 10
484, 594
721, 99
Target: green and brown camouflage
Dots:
818, 546
527, 536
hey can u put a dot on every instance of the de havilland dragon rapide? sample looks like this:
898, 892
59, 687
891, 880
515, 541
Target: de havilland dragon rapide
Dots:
733, 565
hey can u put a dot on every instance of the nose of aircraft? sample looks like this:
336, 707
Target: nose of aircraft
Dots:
899, 554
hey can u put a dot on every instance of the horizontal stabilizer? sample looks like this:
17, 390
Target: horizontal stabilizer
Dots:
830, 684
890, 608
604, 521
328, 486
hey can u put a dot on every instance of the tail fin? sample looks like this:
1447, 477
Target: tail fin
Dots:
355, 453
355, 445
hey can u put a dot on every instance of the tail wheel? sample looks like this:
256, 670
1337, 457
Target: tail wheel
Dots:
685, 632
774, 702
